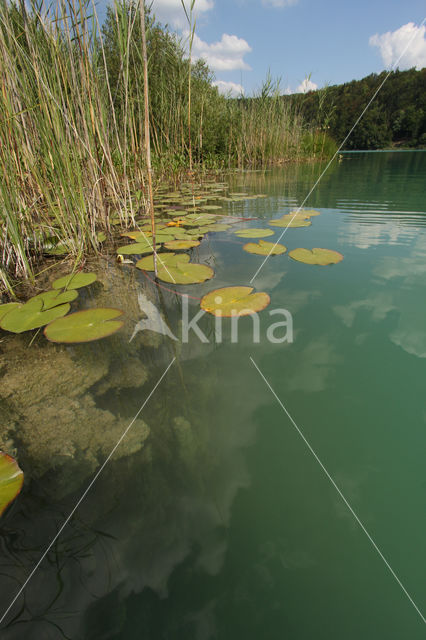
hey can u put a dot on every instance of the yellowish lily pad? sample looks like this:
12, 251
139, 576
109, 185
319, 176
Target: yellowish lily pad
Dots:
11, 480
263, 248
234, 301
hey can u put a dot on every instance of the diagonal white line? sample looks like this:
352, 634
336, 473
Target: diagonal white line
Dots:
338, 490
394, 66
82, 497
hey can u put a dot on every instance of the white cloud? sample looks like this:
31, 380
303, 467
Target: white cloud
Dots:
408, 43
229, 88
306, 85
171, 11
279, 4
225, 55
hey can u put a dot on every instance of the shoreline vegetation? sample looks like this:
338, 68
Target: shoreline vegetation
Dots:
73, 165
395, 120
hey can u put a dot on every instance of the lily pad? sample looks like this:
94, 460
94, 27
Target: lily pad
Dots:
84, 326
316, 256
181, 244
290, 221
163, 260
234, 301
185, 273
136, 248
212, 228
11, 480
75, 281
101, 236
54, 297
31, 316
263, 248
6, 308
254, 233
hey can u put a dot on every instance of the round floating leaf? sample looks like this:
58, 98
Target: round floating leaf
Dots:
316, 256
290, 221
185, 273
304, 213
263, 248
211, 207
163, 260
11, 480
101, 236
75, 281
254, 233
6, 308
30, 316
54, 297
84, 326
215, 227
234, 301
181, 244
136, 248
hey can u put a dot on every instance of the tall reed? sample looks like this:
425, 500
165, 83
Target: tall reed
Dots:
72, 116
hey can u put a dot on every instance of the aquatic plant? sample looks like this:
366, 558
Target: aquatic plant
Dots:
84, 326
74, 281
263, 248
181, 244
11, 480
31, 316
316, 256
234, 301
185, 273
254, 233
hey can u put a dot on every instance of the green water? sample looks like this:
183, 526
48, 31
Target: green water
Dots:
226, 526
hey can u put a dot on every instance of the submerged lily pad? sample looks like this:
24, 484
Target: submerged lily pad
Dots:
163, 260
54, 297
84, 326
234, 301
185, 273
263, 248
75, 281
31, 316
6, 308
316, 256
254, 233
11, 480
181, 244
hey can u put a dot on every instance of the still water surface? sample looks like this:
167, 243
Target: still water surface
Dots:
224, 526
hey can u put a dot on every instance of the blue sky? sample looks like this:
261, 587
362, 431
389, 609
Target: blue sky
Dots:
333, 40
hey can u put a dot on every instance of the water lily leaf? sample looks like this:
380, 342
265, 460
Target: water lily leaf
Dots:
84, 326
254, 233
101, 236
75, 281
211, 207
11, 480
163, 260
181, 244
30, 316
215, 227
5, 308
54, 297
263, 248
289, 221
316, 256
185, 273
137, 248
305, 213
234, 301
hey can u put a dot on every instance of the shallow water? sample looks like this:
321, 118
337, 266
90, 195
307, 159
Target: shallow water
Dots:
224, 521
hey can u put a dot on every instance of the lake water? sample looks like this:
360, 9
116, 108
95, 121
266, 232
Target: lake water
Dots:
228, 523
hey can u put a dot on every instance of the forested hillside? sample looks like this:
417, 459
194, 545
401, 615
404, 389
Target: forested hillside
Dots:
396, 118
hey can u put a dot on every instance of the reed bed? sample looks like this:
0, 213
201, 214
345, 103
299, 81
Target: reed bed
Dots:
72, 112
